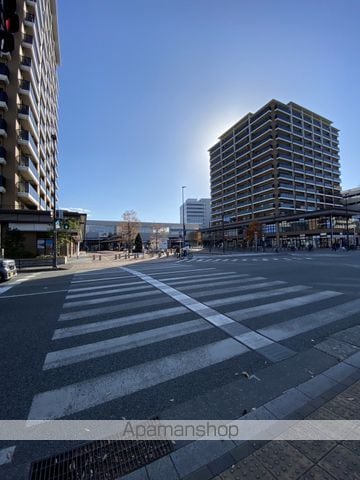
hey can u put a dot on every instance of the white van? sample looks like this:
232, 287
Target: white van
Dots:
7, 269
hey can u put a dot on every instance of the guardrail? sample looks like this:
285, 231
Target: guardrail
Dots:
22, 263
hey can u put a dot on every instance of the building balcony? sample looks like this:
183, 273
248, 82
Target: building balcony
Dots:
27, 169
2, 156
25, 88
25, 113
27, 40
28, 193
29, 20
3, 128
2, 184
25, 63
3, 100
27, 143
4, 73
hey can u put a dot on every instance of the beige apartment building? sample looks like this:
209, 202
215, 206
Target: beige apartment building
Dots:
28, 110
277, 170
29, 123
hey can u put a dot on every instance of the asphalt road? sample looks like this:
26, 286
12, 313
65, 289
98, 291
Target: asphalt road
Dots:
175, 353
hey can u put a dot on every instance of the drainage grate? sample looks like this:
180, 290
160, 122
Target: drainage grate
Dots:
100, 460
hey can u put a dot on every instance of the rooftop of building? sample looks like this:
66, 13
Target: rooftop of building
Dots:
271, 102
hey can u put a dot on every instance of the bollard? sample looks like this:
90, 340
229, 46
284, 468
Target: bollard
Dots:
94, 257
99, 257
115, 256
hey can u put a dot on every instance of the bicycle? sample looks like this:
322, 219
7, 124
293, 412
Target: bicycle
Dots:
188, 256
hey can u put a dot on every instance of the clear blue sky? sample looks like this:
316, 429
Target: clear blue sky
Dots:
147, 86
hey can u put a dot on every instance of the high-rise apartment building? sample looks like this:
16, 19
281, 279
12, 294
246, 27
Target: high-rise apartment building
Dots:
281, 160
29, 110
196, 211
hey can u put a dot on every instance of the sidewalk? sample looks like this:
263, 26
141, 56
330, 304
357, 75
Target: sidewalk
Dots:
303, 460
333, 394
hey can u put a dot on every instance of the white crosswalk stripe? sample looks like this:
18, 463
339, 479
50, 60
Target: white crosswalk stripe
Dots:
89, 393
256, 296
305, 323
249, 258
120, 344
180, 304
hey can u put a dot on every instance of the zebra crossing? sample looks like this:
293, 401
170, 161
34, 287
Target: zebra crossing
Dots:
155, 328
248, 259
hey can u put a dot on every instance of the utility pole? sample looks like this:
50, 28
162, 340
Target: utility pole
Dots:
183, 214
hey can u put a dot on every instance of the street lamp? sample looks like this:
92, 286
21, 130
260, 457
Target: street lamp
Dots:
54, 138
183, 213
347, 222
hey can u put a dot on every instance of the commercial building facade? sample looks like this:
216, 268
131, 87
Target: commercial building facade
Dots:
196, 211
274, 171
29, 113
104, 235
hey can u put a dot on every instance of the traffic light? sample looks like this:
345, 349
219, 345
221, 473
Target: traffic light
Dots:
9, 25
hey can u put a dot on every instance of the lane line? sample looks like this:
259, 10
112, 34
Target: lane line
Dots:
80, 396
305, 323
103, 348
256, 311
117, 322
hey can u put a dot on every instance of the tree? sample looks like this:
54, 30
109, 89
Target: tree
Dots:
14, 244
254, 231
138, 243
129, 227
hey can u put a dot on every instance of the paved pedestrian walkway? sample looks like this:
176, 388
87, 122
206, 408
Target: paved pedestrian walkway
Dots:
303, 460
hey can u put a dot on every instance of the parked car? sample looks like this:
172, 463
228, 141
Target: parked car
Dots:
7, 269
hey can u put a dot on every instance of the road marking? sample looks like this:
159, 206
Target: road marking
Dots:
176, 270
184, 285
100, 287
303, 324
190, 280
3, 290
205, 275
99, 279
97, 301
117, 322
15, 295
6, 455
81, 353
239, 288
217, 319
74, 398
252, 312
91, 312
257, 295
107, 292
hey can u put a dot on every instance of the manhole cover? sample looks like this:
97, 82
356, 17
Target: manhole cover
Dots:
100, 460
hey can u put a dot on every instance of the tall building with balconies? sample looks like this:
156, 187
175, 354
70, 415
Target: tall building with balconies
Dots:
29, 110
281, 160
